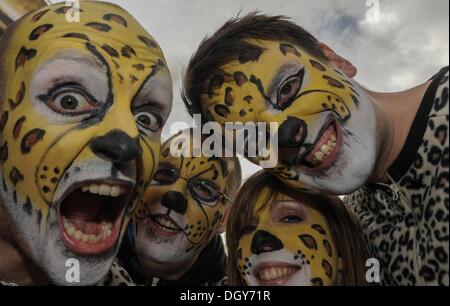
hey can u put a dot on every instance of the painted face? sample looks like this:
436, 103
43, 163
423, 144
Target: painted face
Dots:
183, 207
82, 108
288, 244
326, 124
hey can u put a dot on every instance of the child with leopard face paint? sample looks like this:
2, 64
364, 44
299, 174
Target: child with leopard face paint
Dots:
277, 236
174, 236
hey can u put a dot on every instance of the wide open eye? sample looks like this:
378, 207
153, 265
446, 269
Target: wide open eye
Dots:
148, 121
291, 219
166, 176
71, 101
148, 118
289, 89
203, 192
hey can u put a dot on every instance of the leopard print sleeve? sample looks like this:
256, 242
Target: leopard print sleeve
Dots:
117, 276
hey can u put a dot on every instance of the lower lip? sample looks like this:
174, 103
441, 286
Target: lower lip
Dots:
90, 249
279, 281
328, 161
158, 230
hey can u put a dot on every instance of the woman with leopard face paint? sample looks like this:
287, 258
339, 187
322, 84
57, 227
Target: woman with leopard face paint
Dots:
277, 236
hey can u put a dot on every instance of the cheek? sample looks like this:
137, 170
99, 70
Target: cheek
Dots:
149, 160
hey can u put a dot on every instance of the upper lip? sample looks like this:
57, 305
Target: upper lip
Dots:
267, 265
166, 217
114, 182
304, 150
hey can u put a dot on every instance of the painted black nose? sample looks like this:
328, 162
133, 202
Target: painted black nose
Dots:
117, 147
265, 242
175, 201
292, 133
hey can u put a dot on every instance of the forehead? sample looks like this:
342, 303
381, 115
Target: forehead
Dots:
272, 55
112, 31
190, 165
265, 205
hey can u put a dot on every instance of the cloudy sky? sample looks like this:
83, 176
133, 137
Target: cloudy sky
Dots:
401, 47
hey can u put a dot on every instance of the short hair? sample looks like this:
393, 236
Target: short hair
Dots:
231, 40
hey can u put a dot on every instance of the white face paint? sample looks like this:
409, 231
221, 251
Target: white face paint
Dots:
353, 159
182, 208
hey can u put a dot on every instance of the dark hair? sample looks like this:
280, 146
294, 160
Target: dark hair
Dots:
349, 242
230, 42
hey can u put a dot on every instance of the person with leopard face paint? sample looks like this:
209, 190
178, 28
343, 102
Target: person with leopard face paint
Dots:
174, 237
277, 236
387, 151
82, 106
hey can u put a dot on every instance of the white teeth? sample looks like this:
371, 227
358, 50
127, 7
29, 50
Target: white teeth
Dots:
104, 190
272, 273
94, 189
105, 232
319, 155
166, 223
325, 149
115, 191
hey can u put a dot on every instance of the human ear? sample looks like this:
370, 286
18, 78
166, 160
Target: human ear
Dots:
338, 61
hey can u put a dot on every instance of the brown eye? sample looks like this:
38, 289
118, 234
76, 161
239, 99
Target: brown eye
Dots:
71, 103
289, 90
203, 192
166, 176
148, 121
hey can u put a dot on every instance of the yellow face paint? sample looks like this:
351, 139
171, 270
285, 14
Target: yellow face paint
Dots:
288, 244
82, 109
325, 121
183, 207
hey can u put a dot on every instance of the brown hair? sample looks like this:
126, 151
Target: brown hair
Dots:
231, 41
349, 243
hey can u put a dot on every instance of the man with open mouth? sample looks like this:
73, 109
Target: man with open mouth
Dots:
389, 150
174, 237
82, 108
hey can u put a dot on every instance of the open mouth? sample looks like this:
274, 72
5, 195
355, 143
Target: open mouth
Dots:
164, 225
90, 216
275, 274
325, 150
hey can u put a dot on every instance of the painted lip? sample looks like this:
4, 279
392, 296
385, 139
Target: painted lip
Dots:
329, 160
93, 249
154, 222
274, 264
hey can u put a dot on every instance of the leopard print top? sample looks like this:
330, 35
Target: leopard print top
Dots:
406, 224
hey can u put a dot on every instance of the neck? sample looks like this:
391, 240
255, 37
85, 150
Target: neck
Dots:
15, 266
395, 114
170, 271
